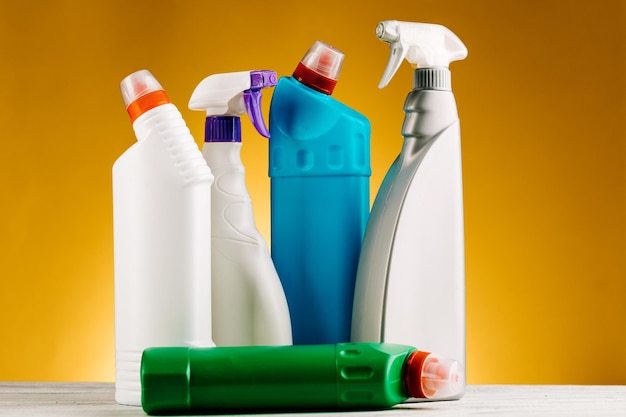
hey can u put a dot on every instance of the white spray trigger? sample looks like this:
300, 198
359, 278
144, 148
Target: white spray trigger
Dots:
221, 94
423, 45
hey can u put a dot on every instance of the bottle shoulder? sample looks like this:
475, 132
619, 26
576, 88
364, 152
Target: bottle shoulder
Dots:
314, 134
291, 92
165, 145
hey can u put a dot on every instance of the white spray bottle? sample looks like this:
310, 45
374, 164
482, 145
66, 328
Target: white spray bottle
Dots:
410, 286
249, 304
161, 229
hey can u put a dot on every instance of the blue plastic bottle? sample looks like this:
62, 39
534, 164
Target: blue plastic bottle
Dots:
319, 164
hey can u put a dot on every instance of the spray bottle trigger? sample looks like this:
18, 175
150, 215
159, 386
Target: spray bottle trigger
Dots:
424, 45
252, 100
396, 56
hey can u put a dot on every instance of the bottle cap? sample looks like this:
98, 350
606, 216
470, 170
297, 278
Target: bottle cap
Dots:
431, 376
320, 67
142, 92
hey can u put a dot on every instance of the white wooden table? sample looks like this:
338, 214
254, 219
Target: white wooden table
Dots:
34, 399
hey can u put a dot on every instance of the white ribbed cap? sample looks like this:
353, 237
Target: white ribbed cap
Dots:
432, 79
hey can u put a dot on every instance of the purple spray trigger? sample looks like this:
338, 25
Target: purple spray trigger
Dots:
252, 98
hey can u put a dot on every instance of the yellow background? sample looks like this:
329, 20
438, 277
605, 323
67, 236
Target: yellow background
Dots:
541, 98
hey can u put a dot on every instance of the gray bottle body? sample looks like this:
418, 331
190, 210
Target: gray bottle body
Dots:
410, 285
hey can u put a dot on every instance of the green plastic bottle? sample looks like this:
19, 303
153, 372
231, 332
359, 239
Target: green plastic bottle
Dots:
184, 380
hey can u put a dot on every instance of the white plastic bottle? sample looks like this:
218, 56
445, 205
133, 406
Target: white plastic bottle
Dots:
249, 304
162, 228
410, 285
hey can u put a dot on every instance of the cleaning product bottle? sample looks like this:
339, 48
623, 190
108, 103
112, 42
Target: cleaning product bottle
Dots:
182, 380
319, 168
411, 279
249, 304
162, 235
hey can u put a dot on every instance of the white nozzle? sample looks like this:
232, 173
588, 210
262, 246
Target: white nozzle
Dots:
424, 45
221, 94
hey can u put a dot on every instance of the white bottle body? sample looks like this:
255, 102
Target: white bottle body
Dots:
411, 277
249, 304
162, 246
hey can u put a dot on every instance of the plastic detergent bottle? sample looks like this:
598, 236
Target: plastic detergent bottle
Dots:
162, 235
249, 304
319, 164
410, 285
182, 380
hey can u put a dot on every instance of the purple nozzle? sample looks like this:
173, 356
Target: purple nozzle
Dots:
262, 79
252, 98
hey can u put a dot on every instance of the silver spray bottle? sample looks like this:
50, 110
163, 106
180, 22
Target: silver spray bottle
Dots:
410, 286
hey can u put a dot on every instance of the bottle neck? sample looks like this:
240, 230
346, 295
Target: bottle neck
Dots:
314, 80
222, 129
436, 78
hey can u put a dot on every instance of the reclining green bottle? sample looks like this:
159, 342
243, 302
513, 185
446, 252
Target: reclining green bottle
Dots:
344, 376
